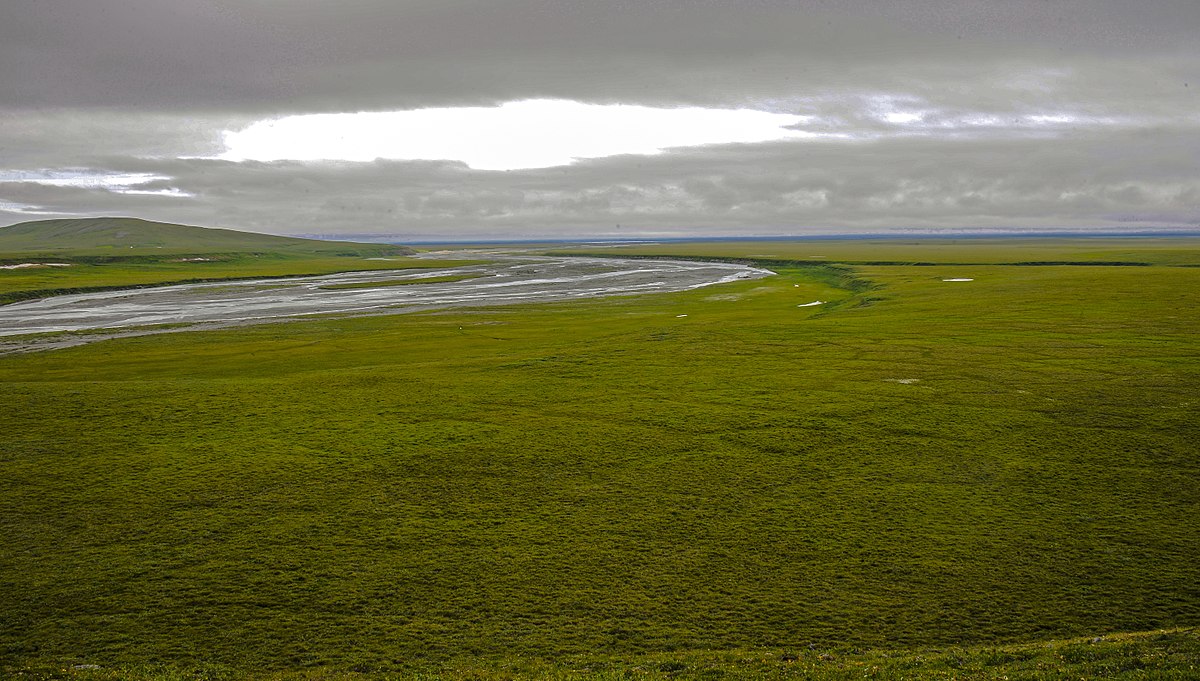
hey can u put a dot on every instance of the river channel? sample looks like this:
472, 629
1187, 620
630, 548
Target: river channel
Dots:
504, 280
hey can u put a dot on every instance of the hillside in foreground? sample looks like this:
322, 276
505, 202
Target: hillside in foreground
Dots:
118, 235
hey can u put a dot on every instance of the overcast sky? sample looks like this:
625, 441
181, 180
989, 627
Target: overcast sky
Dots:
581, 118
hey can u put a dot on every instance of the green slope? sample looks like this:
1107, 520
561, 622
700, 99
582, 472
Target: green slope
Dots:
125, 236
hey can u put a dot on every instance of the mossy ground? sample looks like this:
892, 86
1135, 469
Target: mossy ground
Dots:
915, 464
1161, 655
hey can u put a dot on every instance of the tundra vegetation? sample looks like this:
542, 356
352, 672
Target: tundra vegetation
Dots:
916, 479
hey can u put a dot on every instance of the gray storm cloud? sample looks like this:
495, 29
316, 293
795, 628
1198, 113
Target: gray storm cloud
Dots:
1022, 114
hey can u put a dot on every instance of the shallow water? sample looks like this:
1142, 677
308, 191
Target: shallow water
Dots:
506, 280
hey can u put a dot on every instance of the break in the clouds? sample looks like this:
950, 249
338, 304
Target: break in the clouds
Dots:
512, 136
540, 118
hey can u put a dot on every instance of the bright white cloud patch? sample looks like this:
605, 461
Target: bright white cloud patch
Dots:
524, 134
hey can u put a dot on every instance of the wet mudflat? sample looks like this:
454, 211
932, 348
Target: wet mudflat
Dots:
506, 279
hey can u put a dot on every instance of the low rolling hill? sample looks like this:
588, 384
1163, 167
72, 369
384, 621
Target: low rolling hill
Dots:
133, 236
54, 257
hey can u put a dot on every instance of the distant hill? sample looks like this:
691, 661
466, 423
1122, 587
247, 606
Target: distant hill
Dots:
130, 236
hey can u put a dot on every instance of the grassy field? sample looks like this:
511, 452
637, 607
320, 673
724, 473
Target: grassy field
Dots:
611, 488
1158, 251
1161, 655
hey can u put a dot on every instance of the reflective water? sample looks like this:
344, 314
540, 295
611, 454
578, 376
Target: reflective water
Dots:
507, 279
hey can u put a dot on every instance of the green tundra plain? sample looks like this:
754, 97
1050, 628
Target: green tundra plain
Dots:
918, 478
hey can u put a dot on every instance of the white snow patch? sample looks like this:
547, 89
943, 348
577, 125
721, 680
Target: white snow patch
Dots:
958, 279
680, 315
815, 302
